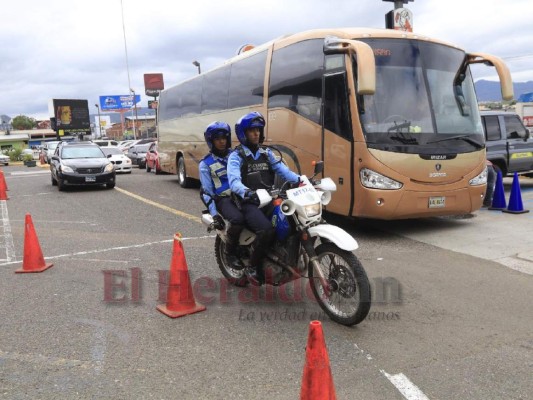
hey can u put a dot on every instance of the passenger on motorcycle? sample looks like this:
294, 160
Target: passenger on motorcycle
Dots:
215, 187
251, 156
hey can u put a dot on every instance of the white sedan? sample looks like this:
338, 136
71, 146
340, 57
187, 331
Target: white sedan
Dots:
119, 160
4, 159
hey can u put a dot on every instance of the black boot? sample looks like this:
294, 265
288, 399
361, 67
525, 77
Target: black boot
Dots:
263, 241
230, 251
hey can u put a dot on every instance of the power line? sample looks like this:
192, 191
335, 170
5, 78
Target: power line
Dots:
517, 57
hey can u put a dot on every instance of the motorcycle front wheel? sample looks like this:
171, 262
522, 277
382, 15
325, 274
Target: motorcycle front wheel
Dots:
235, 277
348, 296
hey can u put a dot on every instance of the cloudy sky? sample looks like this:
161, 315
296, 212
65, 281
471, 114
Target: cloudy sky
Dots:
76, 48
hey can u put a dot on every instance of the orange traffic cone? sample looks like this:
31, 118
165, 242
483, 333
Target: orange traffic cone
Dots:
3, 181
33, 256
180, 299
3, 187
317, 382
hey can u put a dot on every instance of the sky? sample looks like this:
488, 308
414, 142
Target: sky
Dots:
76, 49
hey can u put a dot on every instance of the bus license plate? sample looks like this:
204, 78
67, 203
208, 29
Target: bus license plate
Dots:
90, 179
437, 202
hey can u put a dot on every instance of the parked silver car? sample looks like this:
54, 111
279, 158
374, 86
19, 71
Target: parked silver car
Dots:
48, 150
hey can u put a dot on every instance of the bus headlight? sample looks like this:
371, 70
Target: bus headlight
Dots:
371, 179
481, 179
312, 210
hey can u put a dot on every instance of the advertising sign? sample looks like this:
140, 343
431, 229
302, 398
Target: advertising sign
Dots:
152, 104
71, 117
153, 84
117, 103
154, 81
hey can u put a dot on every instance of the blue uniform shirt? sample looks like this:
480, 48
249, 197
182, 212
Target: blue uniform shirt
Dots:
235, 163
214, 179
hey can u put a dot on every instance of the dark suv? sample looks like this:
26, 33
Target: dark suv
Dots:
509, 145
81, 164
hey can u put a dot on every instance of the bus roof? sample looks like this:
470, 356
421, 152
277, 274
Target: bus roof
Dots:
344, 33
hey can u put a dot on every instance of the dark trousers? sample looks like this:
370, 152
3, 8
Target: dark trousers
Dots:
491, 180
227, 208
257, 222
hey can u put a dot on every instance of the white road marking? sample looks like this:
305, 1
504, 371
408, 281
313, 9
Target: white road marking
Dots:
70, 255
407, 388
28, 173
8, 238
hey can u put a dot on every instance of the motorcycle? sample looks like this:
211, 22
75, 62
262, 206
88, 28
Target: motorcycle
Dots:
305, 247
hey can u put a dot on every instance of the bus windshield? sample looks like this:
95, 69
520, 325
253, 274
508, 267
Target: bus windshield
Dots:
424, 100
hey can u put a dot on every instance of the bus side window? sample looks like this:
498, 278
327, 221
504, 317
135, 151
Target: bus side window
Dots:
336, 106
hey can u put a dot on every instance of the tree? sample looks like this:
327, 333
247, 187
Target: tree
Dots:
23, 122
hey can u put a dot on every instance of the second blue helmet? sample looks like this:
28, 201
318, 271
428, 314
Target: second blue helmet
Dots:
215, 129
251, 120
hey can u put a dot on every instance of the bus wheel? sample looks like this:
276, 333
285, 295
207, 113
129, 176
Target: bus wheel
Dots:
182, 174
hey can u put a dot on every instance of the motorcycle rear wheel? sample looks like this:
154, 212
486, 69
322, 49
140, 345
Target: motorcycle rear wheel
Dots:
235, 277
348, 302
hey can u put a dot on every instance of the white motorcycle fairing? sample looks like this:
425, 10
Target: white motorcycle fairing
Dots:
336, 235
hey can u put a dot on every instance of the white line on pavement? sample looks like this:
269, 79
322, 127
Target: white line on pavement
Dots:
8, 238
112, 249
407, 388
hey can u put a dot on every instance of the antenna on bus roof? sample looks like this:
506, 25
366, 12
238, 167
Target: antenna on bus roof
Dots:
400, 18
245, 47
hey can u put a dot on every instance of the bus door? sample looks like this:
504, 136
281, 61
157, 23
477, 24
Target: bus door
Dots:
338, 146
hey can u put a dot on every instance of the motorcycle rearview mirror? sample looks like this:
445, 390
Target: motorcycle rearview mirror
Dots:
319, 168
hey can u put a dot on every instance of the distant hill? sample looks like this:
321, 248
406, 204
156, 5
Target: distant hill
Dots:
490, 91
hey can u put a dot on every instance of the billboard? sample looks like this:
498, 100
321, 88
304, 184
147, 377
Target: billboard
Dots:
71, 116
117, 103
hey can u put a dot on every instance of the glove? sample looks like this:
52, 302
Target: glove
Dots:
218, 222
251, 197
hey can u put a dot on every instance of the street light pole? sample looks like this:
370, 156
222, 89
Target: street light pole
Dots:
127, 63
99, 126
197, 64
136, 116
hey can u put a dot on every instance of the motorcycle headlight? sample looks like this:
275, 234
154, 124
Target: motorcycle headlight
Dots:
66, 168
312, 209
109, 168
373, 180
481, 179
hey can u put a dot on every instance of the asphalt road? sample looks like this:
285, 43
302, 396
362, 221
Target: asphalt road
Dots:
448, 325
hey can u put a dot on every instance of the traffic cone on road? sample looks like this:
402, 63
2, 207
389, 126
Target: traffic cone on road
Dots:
498, 200
317, 381
33, 256
3, 187
180, 298
3, 181
515, 200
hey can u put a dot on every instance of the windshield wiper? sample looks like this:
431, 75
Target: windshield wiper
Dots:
404, 137
466, 138
398, 127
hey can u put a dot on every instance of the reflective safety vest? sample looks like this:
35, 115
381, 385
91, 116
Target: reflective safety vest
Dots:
218, 167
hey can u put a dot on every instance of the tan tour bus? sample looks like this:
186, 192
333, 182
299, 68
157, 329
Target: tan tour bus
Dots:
393, 115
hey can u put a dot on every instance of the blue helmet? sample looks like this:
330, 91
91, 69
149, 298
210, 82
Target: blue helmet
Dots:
216, 129
251, 120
